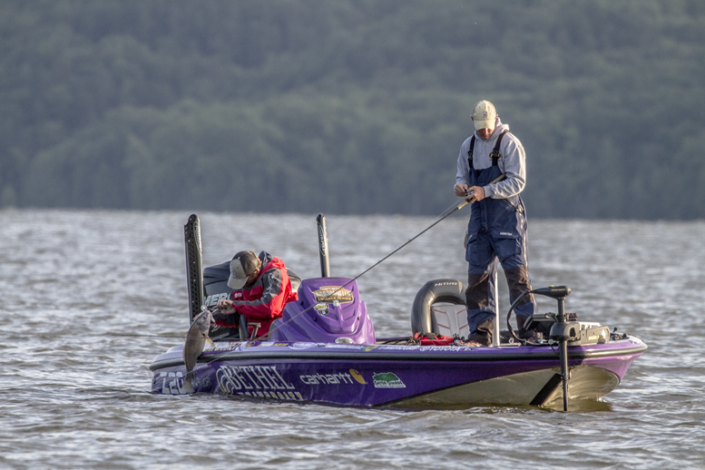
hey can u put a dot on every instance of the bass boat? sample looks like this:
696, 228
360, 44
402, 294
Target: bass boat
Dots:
324, 350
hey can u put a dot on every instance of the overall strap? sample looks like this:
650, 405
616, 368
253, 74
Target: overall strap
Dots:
472, 147
495, 151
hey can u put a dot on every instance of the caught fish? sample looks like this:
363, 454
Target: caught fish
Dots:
195, 342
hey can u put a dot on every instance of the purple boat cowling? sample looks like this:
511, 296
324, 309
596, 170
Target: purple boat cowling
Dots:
329, 309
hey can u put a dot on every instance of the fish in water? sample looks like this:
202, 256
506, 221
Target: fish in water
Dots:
195, 342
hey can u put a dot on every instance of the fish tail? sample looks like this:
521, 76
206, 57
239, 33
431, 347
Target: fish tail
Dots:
188, 383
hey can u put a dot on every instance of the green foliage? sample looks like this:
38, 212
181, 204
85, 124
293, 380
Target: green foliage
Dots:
353, 106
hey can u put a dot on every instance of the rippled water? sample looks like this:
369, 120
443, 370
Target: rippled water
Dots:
88, 299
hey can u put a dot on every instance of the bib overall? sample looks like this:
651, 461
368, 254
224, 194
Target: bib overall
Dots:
497, 231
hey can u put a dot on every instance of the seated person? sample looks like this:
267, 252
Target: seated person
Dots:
262, 288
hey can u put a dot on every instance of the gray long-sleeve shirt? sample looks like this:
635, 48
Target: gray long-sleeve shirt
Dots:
512, 162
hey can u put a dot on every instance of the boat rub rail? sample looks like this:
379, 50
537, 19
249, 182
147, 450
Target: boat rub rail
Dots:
632, 346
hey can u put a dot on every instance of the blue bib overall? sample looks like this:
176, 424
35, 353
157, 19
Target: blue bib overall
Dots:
497, 231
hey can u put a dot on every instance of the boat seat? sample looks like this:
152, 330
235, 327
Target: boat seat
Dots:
439, 307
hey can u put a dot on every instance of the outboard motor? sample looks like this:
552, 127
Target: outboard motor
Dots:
215, 283
329, 310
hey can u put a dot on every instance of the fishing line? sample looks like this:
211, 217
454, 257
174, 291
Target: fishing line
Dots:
445, 214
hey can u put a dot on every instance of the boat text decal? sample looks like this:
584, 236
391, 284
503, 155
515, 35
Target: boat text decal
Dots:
212, 300
333, 379
355, 347
329, 294
302, 345
172, 383
445, 348
256, 381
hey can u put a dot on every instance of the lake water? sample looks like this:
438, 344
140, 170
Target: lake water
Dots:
88, 299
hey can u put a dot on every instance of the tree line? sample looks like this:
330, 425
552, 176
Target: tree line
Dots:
353, 106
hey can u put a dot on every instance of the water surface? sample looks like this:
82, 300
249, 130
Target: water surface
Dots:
88, 299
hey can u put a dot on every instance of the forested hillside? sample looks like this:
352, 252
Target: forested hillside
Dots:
349, 106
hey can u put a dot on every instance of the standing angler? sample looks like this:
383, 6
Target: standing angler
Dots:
497, 227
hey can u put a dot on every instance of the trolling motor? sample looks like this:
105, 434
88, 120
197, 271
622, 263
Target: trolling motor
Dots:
561, 331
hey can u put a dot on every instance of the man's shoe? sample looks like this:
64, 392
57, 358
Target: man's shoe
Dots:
482, 338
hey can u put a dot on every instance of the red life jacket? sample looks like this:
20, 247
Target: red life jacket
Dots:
264, 300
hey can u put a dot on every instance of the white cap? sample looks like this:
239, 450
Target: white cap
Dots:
484, 115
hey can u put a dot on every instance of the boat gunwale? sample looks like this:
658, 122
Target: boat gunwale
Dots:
551, 353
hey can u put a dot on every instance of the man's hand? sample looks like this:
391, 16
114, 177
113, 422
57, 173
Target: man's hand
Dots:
475, 194
225, 306
461, 190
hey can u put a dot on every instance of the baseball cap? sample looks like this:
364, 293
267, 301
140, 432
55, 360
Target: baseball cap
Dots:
243, 265
484, 115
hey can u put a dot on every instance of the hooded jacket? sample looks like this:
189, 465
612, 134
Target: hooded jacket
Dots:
501, 212
512, 162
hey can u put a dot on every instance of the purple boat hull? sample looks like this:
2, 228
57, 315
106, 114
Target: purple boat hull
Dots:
418, 376
324, 350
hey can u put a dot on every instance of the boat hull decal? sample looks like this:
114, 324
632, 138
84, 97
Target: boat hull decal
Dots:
395, 377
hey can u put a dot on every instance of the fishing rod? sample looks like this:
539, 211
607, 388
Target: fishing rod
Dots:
325, 265
454, 208
324, 247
